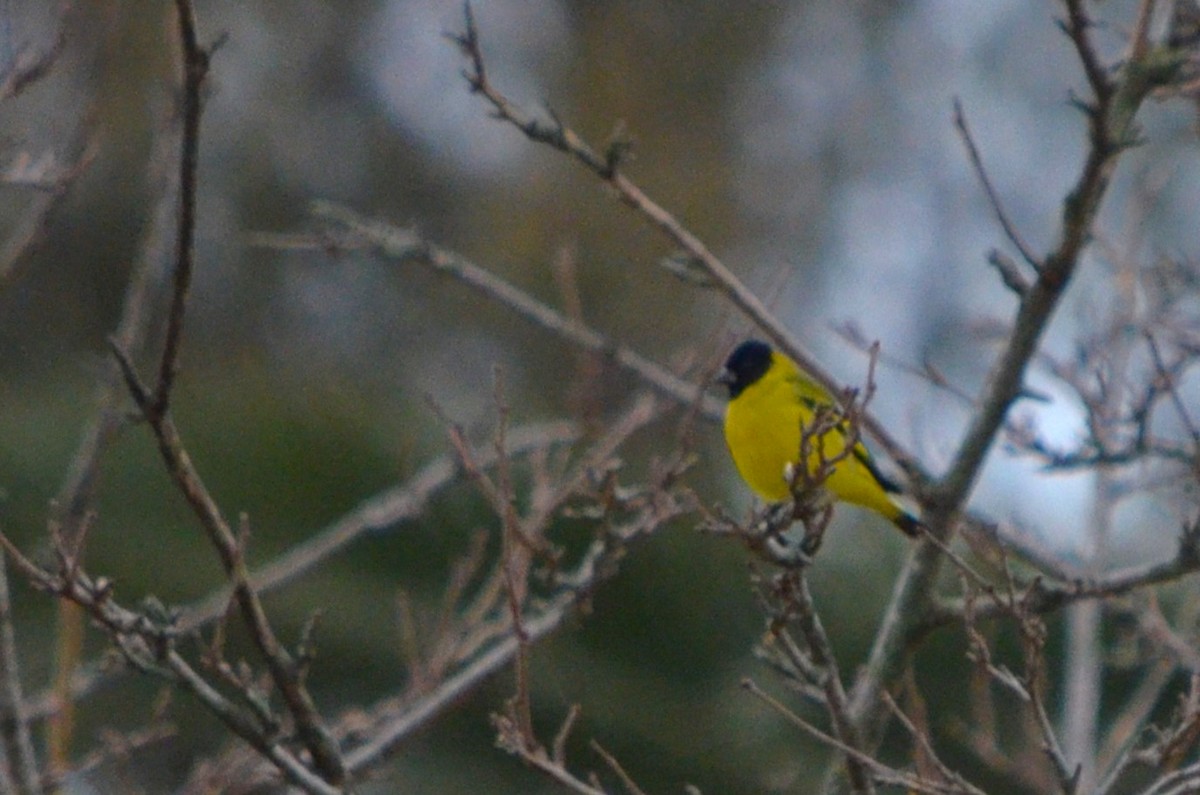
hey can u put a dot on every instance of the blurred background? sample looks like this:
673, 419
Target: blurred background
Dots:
811, 145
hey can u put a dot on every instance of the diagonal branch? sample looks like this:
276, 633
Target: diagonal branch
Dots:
390, 507
147, 642
835, 695
195, 70
573, 587
76, 496
607, 168
1110, 129
1041, 597
285, 672
402, 245
1014, 279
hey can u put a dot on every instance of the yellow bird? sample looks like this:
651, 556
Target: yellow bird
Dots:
770, 401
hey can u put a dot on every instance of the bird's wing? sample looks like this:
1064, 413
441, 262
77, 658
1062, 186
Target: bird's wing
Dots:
864, 456
813, 395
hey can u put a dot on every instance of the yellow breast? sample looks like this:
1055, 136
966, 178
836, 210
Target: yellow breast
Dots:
762, 429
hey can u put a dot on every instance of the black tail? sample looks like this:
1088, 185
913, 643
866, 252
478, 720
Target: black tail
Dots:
909, 524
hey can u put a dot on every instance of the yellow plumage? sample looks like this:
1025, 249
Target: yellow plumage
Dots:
771, 400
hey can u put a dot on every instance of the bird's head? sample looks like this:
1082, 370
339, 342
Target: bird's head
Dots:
748, 363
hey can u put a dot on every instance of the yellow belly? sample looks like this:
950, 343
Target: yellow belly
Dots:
763, 429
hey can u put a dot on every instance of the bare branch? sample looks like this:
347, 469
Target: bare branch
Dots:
147, 641
402, 246
625, 517
1012, 278
610, 760
1041, 597
537, 758
1078, 27
1168, 380
30, 66
822, 655
398, 724
393, 506
881, 772
76, 495
606, 167
1111, 120
195, 72
1117, 752
283, 668
14, 723
30, 227
921, 738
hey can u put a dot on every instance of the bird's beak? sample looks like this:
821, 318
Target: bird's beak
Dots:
726, 377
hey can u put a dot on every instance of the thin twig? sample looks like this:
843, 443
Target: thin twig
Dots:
1017, 284
29, 228
391, 507
148, 643
284, 671
1139, 38
540, 760
403, 245
1110, 120
880, 771
597, 564
1078, 27
922, 739
119, 747
514, 567
1127, 726
396, 728
558, 748
1033, 636
76, 495
606, 166
1042, 598
195, 71
1169, 384
823, 657
616, 768
14, 723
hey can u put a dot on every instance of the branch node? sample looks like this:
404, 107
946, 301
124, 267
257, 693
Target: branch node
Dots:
1009, 273
618, 150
